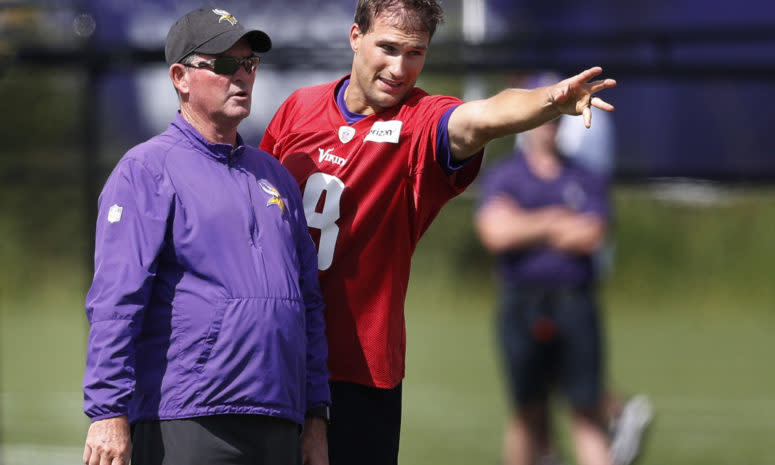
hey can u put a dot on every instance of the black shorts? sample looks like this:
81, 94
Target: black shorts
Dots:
365, 424
217, 440
551, 338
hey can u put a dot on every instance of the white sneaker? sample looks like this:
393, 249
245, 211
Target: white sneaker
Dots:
629, 428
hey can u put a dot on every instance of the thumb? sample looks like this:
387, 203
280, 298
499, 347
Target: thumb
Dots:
560, 93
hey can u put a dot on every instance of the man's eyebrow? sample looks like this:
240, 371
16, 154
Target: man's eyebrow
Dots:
399, 44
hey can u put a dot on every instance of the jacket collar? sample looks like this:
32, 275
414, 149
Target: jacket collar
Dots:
220, 152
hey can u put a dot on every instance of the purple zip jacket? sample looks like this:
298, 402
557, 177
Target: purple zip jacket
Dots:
205, 297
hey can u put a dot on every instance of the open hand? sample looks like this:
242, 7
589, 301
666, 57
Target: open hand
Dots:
575, 95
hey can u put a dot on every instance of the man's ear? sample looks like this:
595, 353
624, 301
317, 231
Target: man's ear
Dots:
355, 37
179, 78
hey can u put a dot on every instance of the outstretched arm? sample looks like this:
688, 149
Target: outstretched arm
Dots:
511, 111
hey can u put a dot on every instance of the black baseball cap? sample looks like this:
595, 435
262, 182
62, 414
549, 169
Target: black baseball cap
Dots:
211, 31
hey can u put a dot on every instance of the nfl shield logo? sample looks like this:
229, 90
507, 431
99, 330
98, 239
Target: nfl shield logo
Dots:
346, 134
114, 213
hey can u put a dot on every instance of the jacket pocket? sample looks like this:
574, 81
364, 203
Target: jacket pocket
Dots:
209, 341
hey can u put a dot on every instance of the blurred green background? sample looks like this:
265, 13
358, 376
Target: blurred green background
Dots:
689, 307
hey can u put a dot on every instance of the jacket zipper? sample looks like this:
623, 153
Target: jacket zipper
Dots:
251, 209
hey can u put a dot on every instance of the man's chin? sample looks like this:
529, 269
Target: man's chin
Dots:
240, 111
390, 100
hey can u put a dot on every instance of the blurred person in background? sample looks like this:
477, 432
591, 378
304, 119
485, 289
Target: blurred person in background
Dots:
377, 158
544, 217
207, 333
595, 149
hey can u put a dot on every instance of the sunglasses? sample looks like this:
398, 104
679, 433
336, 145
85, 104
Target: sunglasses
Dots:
227, 65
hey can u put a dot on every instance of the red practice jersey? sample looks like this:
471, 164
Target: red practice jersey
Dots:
370, 191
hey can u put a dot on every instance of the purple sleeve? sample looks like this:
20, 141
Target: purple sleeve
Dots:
131, 225
317, 389
443, 152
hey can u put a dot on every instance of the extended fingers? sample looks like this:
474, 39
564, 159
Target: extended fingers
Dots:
589, 73
575, 95
597, 102
601, 84
587, 114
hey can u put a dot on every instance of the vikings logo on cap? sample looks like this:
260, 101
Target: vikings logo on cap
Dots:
275, 195
225, 16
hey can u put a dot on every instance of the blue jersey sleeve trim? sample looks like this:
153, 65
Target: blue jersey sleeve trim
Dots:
443, 151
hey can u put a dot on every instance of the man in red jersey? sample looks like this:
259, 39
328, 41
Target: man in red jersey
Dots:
376, 159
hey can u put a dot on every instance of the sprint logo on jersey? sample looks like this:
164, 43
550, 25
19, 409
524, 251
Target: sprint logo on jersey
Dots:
385, 131
326, 155
274, 195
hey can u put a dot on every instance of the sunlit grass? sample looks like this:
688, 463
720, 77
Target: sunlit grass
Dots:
688, 312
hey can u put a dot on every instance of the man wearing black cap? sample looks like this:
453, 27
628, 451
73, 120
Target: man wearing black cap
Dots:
207, 332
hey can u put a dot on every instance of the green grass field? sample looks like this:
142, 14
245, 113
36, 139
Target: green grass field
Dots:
689, 313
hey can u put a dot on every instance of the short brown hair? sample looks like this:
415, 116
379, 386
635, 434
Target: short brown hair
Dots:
415, 15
